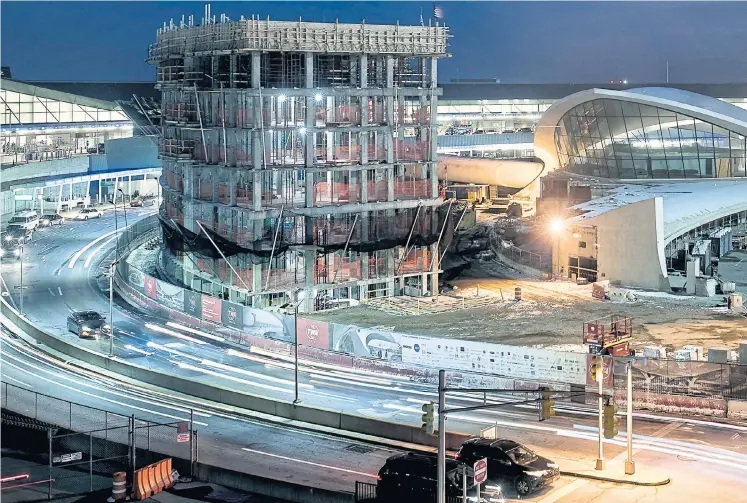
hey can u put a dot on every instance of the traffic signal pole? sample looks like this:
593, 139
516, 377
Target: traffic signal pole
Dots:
600, 379
629, 464
441, 436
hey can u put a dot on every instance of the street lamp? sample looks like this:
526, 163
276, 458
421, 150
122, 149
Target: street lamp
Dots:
19, 252
111, 307
124, 206
557, 225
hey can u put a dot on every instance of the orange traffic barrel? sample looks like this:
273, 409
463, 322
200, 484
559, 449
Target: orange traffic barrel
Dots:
517, 293
119, 490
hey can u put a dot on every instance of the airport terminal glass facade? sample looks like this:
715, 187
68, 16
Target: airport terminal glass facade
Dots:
621, 139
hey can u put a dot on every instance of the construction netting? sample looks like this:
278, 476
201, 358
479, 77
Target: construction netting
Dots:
257, 241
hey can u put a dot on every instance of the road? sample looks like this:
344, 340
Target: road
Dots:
701, 456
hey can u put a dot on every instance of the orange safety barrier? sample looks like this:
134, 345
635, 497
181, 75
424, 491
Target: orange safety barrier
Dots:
152, 479
119, 491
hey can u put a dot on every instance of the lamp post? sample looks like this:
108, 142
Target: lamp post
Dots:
111, 308
20, 255
295, 348
124, 206
557, 224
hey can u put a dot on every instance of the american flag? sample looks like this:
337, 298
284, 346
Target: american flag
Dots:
438, 12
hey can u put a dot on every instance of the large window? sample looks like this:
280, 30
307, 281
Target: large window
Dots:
24, 109
620, 139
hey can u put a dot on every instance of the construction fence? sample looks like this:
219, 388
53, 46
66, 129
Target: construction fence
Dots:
85, 445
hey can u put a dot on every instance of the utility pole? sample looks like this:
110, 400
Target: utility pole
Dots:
111, 308
600, 379
295, 347
441, 436
629, 464
21, 257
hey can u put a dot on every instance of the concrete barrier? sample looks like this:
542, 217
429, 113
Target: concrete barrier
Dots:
736, 409
323, 417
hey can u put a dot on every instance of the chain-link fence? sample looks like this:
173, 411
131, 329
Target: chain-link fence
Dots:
691, 378
86, 445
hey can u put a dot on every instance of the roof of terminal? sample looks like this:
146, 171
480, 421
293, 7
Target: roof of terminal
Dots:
686, 204
492, 91
112, 91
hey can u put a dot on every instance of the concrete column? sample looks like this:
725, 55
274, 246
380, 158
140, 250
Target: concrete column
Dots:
100, 180
232, 70
257, 190
59, 200
434, 72
434, 275
363, 178
255, 70
433, 132
389, 71
363, 65
233, 186
390, 271
390, 183
87, 194
257, 283
309, 261
310, 140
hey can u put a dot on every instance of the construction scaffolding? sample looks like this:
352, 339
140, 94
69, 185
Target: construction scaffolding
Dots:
298, 155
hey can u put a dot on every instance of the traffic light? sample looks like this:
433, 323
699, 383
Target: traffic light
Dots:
595, 367
610, 420
428, 418
547, 404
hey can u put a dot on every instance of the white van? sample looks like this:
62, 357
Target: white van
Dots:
28, 220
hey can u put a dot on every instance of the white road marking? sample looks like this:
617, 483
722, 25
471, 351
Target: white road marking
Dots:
309, 463
59, 290
51, 292
80, 252
98, 249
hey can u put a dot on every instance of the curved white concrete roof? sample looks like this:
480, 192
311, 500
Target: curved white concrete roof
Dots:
695, 105
686, 205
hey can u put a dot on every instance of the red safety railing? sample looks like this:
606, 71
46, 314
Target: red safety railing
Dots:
411, 189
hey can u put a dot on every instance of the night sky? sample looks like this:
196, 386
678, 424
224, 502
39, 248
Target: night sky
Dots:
560, 42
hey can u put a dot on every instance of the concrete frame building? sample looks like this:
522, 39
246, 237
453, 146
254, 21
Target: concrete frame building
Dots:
300, 159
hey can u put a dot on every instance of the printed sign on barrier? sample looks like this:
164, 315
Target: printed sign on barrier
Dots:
211, 309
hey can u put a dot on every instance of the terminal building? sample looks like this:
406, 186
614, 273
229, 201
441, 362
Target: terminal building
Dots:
665, 172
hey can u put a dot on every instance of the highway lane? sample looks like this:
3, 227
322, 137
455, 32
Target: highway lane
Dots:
571, 435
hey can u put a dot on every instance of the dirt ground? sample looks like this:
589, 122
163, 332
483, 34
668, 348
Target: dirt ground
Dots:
551, 314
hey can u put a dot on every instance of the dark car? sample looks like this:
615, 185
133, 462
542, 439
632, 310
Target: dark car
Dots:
525, 130
413, 477
506, 131
51, 219
87, 324
510, 462
10, 252
17, 236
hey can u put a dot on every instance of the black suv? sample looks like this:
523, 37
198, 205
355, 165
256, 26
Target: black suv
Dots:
87, 324
17, 236
413, 477
511, 462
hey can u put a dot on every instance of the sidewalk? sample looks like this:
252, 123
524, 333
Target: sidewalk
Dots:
615, 472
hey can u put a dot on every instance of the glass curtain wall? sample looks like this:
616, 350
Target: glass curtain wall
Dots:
619, 139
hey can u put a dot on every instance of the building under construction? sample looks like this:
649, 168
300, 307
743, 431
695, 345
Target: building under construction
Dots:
300, 159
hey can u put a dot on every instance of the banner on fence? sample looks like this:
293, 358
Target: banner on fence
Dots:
150, 286
232, 315
193, 303
211, 310
313, 333
366, 342
515, 361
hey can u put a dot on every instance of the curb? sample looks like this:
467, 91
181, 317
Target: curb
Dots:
616, 481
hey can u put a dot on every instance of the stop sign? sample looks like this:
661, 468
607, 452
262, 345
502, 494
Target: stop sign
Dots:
481, 470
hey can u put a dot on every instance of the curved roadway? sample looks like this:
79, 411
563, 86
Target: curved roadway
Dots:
62, 271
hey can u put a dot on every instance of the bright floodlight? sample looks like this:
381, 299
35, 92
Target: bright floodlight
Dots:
625, 81
281, 98
318, 97
556, 225
302, 130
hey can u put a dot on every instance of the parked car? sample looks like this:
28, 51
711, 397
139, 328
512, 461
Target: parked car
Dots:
87, 213
24, 220
525, 130
17, 236
10, 252
87, 324
505, 131
413, 477
510, 462
51, 219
